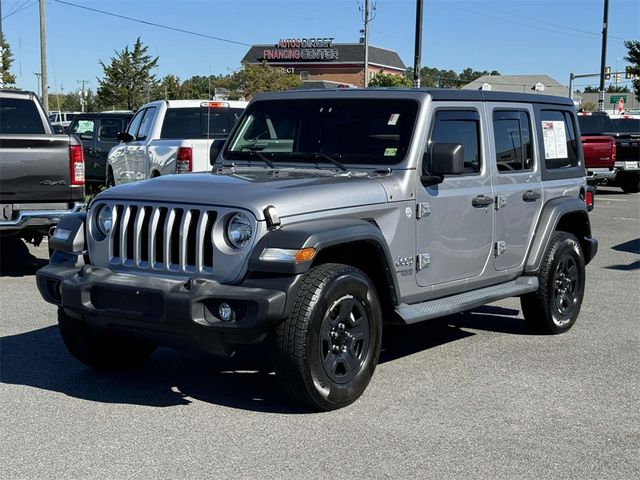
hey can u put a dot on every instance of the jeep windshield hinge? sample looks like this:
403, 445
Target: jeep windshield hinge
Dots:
501, 201
424, 260
423, 210
501, 247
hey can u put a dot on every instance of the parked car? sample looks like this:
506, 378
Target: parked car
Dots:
60, 121
326, 214
173, 136
627, 151
41, 174
98, 133
599, 149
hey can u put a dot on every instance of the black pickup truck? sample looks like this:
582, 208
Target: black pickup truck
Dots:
41, 174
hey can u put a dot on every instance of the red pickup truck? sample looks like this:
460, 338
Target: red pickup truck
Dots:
599, 148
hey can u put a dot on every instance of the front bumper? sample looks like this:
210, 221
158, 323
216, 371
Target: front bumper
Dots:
40, 219
167, 311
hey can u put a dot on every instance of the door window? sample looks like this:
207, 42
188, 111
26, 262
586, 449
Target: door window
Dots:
512, 137
145, 125
134, 125
459, 127
109, 128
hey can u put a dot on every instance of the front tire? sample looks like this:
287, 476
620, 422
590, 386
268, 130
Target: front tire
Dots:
554, 308
101, 351
327, 349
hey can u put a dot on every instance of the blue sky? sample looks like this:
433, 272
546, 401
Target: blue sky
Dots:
514, 37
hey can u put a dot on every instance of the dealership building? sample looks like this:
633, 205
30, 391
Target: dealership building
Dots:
322, 60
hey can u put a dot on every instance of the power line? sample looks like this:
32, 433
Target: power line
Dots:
23, 7
159, 25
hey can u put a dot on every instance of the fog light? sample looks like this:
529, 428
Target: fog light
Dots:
225, 312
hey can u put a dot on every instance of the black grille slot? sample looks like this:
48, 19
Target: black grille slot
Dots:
130, 230
174, 235
191, 237
116, 230
207, 244
144, 234
162, 216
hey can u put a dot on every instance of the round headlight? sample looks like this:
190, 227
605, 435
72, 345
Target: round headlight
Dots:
239, 230
105, 220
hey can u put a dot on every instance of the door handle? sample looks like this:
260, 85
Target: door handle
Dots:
530, 196
482, 201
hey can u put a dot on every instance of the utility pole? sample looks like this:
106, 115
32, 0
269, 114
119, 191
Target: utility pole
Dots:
82, 94
43, 57
366, 43
603, 59
418, 47
1, 50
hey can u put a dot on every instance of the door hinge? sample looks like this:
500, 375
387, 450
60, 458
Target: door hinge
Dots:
501, 247
423, 210
424, 260
501, 201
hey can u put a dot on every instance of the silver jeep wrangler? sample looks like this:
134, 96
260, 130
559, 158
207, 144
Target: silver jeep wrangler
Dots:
327, 214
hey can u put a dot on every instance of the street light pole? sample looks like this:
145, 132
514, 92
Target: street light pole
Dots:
603, 58
366, 43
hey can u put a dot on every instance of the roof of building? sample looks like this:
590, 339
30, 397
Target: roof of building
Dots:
348, 53
519, 83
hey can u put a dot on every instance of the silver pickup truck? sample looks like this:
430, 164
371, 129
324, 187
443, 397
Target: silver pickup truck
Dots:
41, 174
327, 214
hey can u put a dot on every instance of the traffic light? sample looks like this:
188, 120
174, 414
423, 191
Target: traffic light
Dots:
627, 72
607, 73
618, 77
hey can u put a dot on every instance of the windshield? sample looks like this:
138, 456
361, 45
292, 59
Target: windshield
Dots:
350, 130
193, 122
595, 124
626, 125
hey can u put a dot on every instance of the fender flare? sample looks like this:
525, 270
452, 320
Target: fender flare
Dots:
320, 234
552, 213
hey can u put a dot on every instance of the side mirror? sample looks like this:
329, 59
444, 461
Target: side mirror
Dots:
216, 146
124, 137
442, 159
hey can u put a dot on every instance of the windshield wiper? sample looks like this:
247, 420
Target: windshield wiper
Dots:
255, 153
324, 156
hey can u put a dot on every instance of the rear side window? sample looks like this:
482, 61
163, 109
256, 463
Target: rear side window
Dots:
20, 115
195, 122
512, 137
459, 127
109, 129
559, 139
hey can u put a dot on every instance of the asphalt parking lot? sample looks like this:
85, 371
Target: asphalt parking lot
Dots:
468, 396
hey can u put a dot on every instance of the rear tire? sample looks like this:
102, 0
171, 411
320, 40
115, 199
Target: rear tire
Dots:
630, 182
554, 308
328, 348
101, 351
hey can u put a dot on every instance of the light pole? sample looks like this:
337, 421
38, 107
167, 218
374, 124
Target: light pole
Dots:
38, 75
603, 58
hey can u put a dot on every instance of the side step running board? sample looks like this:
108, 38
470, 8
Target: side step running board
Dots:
419, 312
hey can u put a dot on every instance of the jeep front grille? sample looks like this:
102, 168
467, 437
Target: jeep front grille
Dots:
175, 239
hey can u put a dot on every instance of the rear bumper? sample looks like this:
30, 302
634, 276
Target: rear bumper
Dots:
40, 219
628, 166
600, 175
166, 311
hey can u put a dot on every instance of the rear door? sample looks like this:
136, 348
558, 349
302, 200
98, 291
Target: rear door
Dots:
106, 139
138, 149
34, 164
516, 179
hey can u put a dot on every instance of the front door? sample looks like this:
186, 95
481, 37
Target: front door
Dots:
455, 222
517, 182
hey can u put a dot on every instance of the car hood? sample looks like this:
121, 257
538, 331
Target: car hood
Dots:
291, 191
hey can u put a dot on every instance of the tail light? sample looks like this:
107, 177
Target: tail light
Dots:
588, 198
614, 150
184, 160
76, 164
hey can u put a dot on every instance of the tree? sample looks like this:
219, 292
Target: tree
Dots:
588, 107
71, 102
633, 57
128, 81
6, 59
250, 80
382, 79
613, 88
169, 88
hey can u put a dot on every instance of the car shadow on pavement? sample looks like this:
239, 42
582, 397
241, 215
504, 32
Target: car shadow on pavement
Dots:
632, 246
16, 260
175, 378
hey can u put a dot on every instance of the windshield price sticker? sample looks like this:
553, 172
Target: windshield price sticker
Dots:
393, 119
555, 139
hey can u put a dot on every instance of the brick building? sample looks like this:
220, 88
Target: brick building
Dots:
322, 60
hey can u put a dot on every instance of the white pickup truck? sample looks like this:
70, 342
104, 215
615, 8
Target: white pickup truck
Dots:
170, 136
